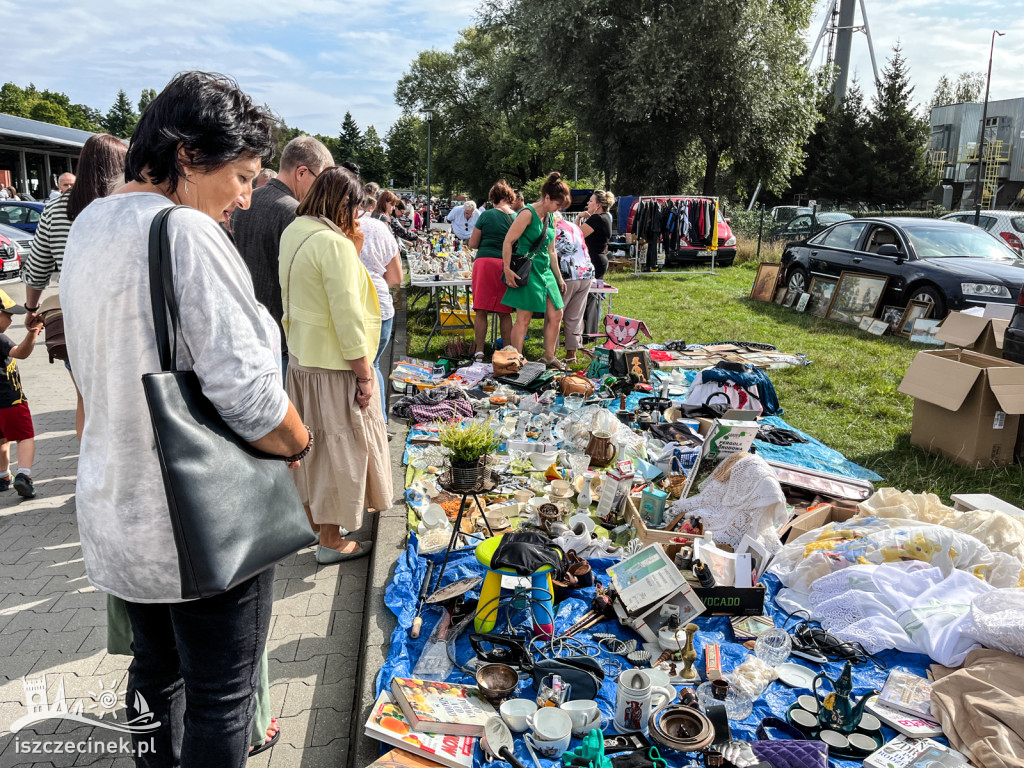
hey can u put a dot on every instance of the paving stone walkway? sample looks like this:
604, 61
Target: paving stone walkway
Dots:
53, 623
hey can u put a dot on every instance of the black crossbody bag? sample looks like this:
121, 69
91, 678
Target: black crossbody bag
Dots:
234, 509
522, 265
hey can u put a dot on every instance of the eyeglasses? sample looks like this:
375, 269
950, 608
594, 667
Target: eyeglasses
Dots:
311, 172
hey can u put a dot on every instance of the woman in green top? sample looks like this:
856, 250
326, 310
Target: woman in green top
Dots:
543, 290
488, 290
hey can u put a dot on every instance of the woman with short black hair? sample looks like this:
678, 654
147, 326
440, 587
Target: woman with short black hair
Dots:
198, 145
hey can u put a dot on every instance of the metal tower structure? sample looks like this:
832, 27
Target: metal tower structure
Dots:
838, 28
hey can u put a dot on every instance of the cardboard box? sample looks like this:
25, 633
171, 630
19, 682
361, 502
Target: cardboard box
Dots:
648, 621
732, 601
966, 406
815, 517
964, 502
978, 334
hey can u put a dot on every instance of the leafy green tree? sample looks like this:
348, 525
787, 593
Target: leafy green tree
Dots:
966, 88
487, 123
85, 118
899, 174
649, 79
349, 140
145, 98
13, 100
47, 112
403, 142
372, 159
121, 117
841, 171
331, 142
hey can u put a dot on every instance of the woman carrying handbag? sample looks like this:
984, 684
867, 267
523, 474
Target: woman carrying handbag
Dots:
199, 621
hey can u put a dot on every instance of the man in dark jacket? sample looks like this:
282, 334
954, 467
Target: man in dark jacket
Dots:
257, 230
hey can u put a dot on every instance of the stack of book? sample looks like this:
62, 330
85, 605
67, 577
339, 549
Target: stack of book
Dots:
438, 722
905, 704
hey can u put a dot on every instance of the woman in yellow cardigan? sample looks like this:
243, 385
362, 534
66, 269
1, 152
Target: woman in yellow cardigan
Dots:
332, 324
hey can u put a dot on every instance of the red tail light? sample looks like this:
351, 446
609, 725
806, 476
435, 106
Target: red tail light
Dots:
1013, 241
1020, 299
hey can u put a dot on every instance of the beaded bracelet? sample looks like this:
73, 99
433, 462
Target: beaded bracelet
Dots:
305, 451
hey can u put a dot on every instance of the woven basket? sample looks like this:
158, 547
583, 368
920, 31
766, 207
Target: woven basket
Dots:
675, 483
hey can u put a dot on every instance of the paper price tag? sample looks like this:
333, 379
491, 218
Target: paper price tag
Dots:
1000, 420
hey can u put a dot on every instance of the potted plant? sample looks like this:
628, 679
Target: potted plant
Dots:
468, 444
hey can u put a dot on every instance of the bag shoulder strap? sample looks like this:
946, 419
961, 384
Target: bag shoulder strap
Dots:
543, 234
161, 289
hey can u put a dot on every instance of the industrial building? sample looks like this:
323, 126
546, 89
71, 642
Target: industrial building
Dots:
34, 154
998, 181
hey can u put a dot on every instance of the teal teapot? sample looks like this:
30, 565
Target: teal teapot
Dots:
835, 711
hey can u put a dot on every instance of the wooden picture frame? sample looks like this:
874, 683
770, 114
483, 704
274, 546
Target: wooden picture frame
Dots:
856, 294
801, 303
892, 314
865, 322
922, 331
791, 297
821, 290
915, 310
878, 327
767, 277
780, 294
638, 365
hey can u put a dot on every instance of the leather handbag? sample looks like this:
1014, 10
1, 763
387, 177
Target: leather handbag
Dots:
234, 509
522, 265
507, 361
796, 752
575, 383
53, 328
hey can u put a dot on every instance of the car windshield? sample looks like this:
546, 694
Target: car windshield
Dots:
948, 242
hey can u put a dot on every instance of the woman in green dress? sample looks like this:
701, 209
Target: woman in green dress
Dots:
543, 289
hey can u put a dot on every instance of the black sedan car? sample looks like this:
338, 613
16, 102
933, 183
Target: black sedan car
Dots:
943, 263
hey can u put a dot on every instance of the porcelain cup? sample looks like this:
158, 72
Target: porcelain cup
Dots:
550, 724
516, 714
581, 711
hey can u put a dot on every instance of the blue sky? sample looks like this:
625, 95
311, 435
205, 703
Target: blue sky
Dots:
311, 60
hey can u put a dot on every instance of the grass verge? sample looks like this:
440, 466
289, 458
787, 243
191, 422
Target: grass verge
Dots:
847, 398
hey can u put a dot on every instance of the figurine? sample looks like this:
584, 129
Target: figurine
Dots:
689, 654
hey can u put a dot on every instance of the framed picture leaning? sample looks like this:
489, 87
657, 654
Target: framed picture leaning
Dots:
821, 291
856, 295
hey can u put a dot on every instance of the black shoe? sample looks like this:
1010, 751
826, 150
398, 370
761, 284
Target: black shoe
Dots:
23, 485
5, 483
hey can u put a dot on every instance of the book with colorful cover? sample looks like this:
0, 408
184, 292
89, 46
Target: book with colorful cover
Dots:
389, 724
905, 752
910, 725
436, 707
908, 693
399, 758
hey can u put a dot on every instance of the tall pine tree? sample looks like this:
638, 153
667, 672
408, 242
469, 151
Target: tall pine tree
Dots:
121, 118
839, 172
349, 140
373, 161
899, 174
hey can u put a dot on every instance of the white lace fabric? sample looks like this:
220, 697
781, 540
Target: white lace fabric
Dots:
749, 503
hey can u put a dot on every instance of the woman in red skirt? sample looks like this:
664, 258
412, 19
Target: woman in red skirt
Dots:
488, 290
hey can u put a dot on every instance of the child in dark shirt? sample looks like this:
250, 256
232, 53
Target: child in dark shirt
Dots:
15, 417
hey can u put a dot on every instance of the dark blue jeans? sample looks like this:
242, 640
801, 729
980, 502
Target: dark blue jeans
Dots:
385, 338
196, 666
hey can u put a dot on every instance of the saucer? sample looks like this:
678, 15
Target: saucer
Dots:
795, 675
553, 495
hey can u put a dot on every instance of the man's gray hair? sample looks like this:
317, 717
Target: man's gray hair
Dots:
469, 205
305, 151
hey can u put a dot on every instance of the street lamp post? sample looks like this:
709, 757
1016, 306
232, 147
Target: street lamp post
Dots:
429, 115
981, 141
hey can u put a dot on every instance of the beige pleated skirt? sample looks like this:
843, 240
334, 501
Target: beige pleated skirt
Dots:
349, 468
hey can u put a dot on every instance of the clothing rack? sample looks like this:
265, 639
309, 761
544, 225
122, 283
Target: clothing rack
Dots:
635, 246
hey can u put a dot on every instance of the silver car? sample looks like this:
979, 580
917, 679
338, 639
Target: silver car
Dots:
1009, 225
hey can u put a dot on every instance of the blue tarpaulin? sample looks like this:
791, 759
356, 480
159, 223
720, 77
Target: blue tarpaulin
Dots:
402, 594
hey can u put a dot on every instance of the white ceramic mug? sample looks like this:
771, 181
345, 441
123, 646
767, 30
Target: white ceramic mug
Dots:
550, 724
632, 701
560, 487
599, 722
522, 495
516, 714
549, 749
581, 711
434, 516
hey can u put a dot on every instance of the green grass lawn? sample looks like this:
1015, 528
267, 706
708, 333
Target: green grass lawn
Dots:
847, 398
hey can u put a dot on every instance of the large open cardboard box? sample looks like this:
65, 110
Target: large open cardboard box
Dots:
983, 335
823, 514
966, 406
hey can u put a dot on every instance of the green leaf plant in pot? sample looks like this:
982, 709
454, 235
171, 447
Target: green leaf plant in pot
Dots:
468, 444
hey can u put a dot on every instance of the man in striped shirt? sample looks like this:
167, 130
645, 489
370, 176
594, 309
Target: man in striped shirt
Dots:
47, 254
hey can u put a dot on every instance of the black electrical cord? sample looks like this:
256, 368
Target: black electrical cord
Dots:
810, 635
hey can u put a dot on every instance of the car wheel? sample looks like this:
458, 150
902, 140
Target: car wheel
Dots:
932, 297
798, 280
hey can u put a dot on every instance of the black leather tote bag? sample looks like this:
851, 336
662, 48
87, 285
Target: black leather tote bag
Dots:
234, 510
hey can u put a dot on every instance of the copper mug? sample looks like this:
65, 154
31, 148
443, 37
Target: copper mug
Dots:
600, 449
